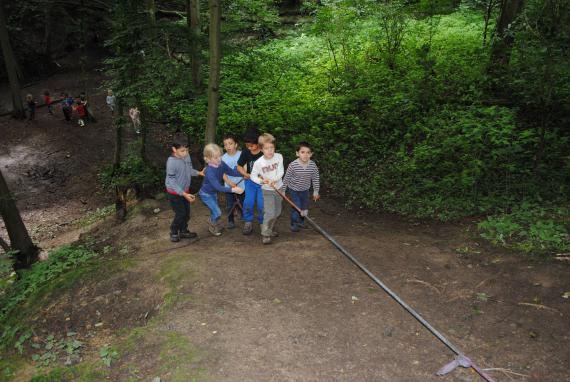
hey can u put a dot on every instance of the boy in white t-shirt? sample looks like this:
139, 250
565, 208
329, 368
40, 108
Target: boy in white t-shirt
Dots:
268, 171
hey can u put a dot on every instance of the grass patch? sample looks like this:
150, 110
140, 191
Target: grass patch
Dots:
176, 272
95, 216
63, 268
84, 372
178, 357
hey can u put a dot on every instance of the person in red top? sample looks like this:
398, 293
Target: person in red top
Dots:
48, 102
81, 113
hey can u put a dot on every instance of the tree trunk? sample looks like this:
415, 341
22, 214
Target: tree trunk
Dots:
83, 45
120, 200
143, 129
19, 238
214, 78
11, 67
500, 52
193, 19
151, 10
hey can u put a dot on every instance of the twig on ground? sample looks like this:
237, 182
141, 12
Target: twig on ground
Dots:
540, 306
424, 283
506, 372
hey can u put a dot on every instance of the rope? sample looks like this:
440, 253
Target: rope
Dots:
460, 359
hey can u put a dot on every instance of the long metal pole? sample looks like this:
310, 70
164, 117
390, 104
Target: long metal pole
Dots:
391, 293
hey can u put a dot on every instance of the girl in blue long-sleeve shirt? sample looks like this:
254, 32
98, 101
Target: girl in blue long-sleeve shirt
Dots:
213, 183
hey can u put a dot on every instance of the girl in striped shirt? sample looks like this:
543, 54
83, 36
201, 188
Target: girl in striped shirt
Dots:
298, 178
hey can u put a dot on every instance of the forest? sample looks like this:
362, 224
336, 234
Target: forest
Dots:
453, 115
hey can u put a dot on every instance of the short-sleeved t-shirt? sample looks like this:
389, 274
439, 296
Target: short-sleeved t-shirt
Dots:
247, 158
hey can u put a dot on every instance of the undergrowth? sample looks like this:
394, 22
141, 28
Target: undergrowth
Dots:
62, 268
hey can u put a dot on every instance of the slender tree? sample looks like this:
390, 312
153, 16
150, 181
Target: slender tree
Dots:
120, 192
215, 61
193, 20
20, 241
151, 11
500, 52
11, 66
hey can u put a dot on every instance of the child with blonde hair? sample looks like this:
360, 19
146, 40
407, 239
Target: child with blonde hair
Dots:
213, 183
268, 171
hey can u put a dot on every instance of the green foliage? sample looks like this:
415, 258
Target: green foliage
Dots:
394, 98
95, 216
108, 355
132, 172
54, 349
32, 284
530, 228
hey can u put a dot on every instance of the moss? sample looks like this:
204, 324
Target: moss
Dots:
180, 358
10, 366
84, 372
176, 272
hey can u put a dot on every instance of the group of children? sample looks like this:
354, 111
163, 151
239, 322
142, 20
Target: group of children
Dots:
258, 167
69, 105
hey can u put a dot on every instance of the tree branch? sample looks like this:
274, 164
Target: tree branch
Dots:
4, 245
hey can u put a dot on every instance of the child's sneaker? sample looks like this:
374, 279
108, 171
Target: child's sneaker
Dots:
231, 225
174, 238
294, 228
247, 228
214, 230
266, 239
188, 235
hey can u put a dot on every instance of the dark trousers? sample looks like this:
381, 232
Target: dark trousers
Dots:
67, 112
301, 200
230, 201
181, 208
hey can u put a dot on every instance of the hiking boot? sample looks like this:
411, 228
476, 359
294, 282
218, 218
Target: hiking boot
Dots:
231, 225
174, 238
266, 239
247, 228
188, 235
294, 228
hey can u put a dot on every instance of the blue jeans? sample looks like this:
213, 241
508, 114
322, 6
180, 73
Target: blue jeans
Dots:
253, 196
301, 200
211, 201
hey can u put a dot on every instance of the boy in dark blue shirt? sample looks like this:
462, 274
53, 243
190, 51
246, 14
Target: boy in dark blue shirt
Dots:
213, 183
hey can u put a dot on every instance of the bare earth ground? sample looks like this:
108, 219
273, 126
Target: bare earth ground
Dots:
231, 309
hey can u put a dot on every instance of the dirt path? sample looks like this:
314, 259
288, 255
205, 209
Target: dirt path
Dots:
298, 311
51, 165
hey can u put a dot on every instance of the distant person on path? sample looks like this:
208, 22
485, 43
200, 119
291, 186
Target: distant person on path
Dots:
253, 195
179, 173
31, 103
267, 172
88, 111
81, 113
48, 102
66, 106
135, 115
213, 183
231, 158
111, 101
301, 173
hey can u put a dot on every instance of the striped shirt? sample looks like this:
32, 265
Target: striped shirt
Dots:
299, 177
